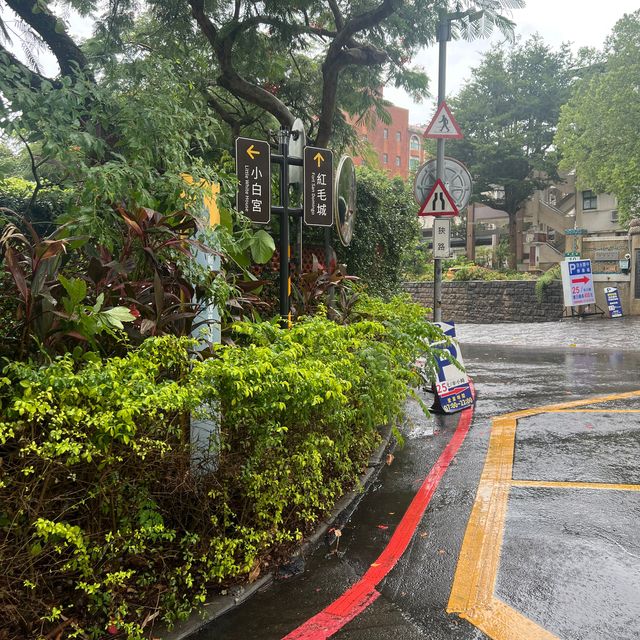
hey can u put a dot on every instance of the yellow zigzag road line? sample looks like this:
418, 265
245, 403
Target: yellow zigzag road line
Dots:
602, 410
546, 484
472, 593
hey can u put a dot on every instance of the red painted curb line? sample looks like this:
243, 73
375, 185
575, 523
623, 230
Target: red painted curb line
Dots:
358, 597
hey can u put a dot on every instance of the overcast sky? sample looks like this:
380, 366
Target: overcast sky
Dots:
580, 22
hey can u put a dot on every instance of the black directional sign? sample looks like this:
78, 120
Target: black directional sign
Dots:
253, 169
318, 187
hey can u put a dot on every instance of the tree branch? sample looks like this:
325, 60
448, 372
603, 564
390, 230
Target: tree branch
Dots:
337, 14
32, 79
364, 21
295, 29
233, 120
229, 78
68, 54
343, 51
34, 171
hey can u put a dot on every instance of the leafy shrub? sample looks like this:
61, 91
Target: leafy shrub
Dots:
470, 271
473, 272
545, 280
102, 513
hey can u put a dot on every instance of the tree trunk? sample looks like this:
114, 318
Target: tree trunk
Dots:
513, 240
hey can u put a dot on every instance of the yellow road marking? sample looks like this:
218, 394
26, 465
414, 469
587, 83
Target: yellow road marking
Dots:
472, 594
547, 484
499, 620
603, 410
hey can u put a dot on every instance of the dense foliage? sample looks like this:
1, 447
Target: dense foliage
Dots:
509, 113
106, 520
17, 195
598, 129
386, 228
241, 58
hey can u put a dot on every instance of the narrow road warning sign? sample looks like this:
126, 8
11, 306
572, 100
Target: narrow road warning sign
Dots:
443, 125
438, 202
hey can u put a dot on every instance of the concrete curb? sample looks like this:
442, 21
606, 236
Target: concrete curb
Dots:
339, 516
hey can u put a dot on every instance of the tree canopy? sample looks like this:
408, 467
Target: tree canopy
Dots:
598, 129
509, 112
326, 57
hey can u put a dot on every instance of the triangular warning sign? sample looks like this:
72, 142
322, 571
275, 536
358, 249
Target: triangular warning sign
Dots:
438, 202
443, 125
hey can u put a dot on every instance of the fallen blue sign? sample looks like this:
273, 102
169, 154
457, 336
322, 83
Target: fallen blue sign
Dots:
452, 384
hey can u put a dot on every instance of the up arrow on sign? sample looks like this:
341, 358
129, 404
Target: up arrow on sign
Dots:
318, 187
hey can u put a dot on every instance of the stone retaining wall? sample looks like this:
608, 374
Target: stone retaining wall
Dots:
480, 301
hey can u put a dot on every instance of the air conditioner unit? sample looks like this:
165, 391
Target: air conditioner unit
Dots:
614, 215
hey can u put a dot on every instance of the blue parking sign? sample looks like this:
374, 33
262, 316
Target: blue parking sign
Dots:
452, 384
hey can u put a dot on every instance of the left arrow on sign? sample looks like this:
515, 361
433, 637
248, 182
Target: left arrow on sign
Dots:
252, 153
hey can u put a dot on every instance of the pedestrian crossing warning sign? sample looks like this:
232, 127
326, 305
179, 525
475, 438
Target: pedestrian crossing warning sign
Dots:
443, 125
438, 202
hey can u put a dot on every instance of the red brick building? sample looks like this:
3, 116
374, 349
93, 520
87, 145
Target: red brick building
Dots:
398, 146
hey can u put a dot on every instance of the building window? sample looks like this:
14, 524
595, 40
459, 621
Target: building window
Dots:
385, 134
397, 161
397, 136
589, 200
415, 143
413, 164
385, 157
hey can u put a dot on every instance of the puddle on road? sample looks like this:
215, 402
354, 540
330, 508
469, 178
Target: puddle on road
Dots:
617, 334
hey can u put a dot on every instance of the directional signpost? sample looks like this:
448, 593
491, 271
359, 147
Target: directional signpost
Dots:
577, 282
438, 202
318, 187
253, 170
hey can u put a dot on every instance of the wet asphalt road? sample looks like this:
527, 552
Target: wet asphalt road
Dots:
570, 557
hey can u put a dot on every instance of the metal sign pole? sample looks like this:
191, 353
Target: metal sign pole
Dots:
444, 35
283, 149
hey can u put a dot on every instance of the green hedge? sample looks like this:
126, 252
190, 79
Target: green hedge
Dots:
386, 229
103, 520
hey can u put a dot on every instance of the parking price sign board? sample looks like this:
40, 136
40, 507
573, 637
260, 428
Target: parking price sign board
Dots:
253, 170
452, 385
613, 302
577, 282
318, 187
